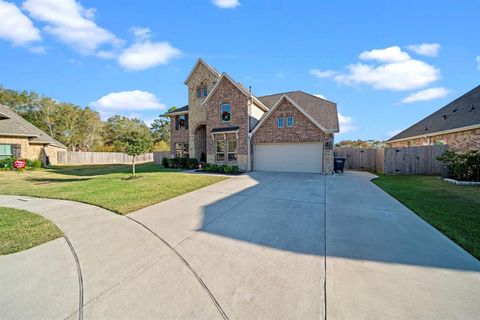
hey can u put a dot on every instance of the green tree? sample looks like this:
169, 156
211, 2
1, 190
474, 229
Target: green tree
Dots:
161, 127
136, 142
116, 127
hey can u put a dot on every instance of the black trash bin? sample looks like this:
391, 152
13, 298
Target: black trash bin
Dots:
338, 164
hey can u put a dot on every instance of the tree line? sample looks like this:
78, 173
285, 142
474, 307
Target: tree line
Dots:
82, 129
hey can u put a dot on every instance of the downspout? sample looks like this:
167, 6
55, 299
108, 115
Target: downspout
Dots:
249, 135
249, 165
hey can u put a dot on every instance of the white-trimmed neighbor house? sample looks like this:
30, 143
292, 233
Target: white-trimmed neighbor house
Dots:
224, 123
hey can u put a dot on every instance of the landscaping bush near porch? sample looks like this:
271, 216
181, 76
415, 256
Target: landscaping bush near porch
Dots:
221, 168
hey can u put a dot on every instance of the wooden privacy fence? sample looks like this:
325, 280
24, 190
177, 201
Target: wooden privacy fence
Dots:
72, 157
414, 160
420, 160
159, 155
367, 159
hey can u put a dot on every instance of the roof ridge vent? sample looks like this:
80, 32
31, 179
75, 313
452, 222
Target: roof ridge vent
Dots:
444, 116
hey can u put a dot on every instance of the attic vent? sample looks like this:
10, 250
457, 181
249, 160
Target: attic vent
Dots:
454, 110
426, 128
472, 108
444, 117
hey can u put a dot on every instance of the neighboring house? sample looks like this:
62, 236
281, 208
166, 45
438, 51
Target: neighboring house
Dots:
21, 139
224, 123
456, 125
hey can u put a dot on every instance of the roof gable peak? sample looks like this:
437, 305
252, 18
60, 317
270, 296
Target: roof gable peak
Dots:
202, 62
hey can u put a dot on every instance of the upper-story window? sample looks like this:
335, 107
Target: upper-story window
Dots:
289, 121
181, 122
202, 91
280, 122
226, 112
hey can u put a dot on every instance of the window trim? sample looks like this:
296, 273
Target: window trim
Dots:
221, 112
217, 153
280, 124
230, 152
291, 124
7, 156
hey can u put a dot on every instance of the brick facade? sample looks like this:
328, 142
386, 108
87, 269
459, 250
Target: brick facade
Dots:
201, 77
227, 92
459, 141
177, 136
303, 129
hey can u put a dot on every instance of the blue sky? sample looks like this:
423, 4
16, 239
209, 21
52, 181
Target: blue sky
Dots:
387, 64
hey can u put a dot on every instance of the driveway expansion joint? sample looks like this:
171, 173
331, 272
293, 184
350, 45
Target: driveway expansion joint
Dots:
189, 267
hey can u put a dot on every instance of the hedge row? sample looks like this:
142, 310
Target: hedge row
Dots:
7, 164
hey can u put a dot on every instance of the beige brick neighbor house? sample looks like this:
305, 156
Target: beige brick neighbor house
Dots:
21, 139
457, 125
224, 123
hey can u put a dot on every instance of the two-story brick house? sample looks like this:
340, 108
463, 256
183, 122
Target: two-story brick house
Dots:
224, 123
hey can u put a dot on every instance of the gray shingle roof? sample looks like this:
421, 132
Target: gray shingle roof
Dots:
461, 112
182, 109
11, 124
323, 111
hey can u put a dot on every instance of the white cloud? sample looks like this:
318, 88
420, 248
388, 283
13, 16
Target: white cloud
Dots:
426, 95
478, 62
395, 71
226, 3
322, 74
71, 23
141, 56
15, 26
425, 49
141, 34
346, 123
128, 100
321, 96
391, 54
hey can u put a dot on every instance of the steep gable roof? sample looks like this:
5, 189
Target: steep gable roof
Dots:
11, 124
460, 113
324, 112
201, 61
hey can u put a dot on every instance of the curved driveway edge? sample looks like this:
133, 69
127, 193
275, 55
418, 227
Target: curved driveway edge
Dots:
127, 272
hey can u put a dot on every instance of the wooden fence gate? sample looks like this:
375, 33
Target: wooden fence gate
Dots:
420, 160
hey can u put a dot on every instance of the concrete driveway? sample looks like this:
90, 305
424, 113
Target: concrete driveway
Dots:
251, 247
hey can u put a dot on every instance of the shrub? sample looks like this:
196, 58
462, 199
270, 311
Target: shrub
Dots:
221, 168
33, 164
165, 163
192, 163
6, 164
182, 162
462, 166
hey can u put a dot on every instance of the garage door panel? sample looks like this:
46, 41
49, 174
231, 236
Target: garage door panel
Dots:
288, 157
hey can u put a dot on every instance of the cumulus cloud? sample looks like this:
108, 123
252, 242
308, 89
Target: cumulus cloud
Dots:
425, 49
391, 54
322, 74
141, 34
426, 95
71, 23
346, 123
395, 70
128, 100
15, 26
321, 96
226, 3
145, 55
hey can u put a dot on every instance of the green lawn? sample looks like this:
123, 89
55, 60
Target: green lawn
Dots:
20, 230
105, 186
452, 209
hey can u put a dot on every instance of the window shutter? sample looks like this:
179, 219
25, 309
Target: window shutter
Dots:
16, 151
186, 121
176, 123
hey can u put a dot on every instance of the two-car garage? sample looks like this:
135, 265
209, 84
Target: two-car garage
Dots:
288, 157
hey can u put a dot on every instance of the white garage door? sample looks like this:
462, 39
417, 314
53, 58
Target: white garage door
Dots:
289, 157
